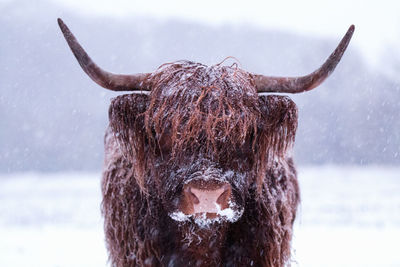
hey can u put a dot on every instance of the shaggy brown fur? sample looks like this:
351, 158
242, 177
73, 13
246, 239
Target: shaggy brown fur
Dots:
199, 118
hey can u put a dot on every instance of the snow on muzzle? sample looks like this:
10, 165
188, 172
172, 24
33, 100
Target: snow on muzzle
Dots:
206, 202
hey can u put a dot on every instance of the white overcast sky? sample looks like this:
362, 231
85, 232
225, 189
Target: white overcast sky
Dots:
377, 22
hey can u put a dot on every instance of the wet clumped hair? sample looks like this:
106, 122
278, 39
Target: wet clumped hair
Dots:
208, 110
202, 105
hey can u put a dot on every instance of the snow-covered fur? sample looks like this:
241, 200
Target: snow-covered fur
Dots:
203, 122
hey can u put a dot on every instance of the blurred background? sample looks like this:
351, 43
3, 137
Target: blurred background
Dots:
53, 117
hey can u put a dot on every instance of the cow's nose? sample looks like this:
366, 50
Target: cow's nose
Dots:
207, 198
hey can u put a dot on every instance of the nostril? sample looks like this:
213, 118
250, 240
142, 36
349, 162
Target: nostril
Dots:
223, 199
192, 197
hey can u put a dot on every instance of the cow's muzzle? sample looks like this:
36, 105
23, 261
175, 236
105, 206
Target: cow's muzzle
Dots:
205, 198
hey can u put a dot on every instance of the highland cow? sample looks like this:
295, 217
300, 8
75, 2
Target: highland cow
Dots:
199, 171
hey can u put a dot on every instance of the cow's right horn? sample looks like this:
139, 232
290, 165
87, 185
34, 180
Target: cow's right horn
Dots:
115, 82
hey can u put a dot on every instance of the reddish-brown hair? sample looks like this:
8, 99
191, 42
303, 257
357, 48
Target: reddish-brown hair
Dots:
213, 111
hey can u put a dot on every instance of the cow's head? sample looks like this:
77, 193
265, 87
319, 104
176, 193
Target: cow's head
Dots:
202, 138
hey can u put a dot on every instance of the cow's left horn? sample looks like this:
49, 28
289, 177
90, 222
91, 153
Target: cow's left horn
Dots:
115, 82
304, 83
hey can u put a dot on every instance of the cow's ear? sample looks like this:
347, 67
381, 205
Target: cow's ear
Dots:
278, 110
127, 108
126, 115
278, 124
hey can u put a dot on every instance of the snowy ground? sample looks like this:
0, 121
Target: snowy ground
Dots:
348, 217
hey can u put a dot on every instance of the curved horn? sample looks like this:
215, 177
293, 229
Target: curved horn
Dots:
304, 83
115, 82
